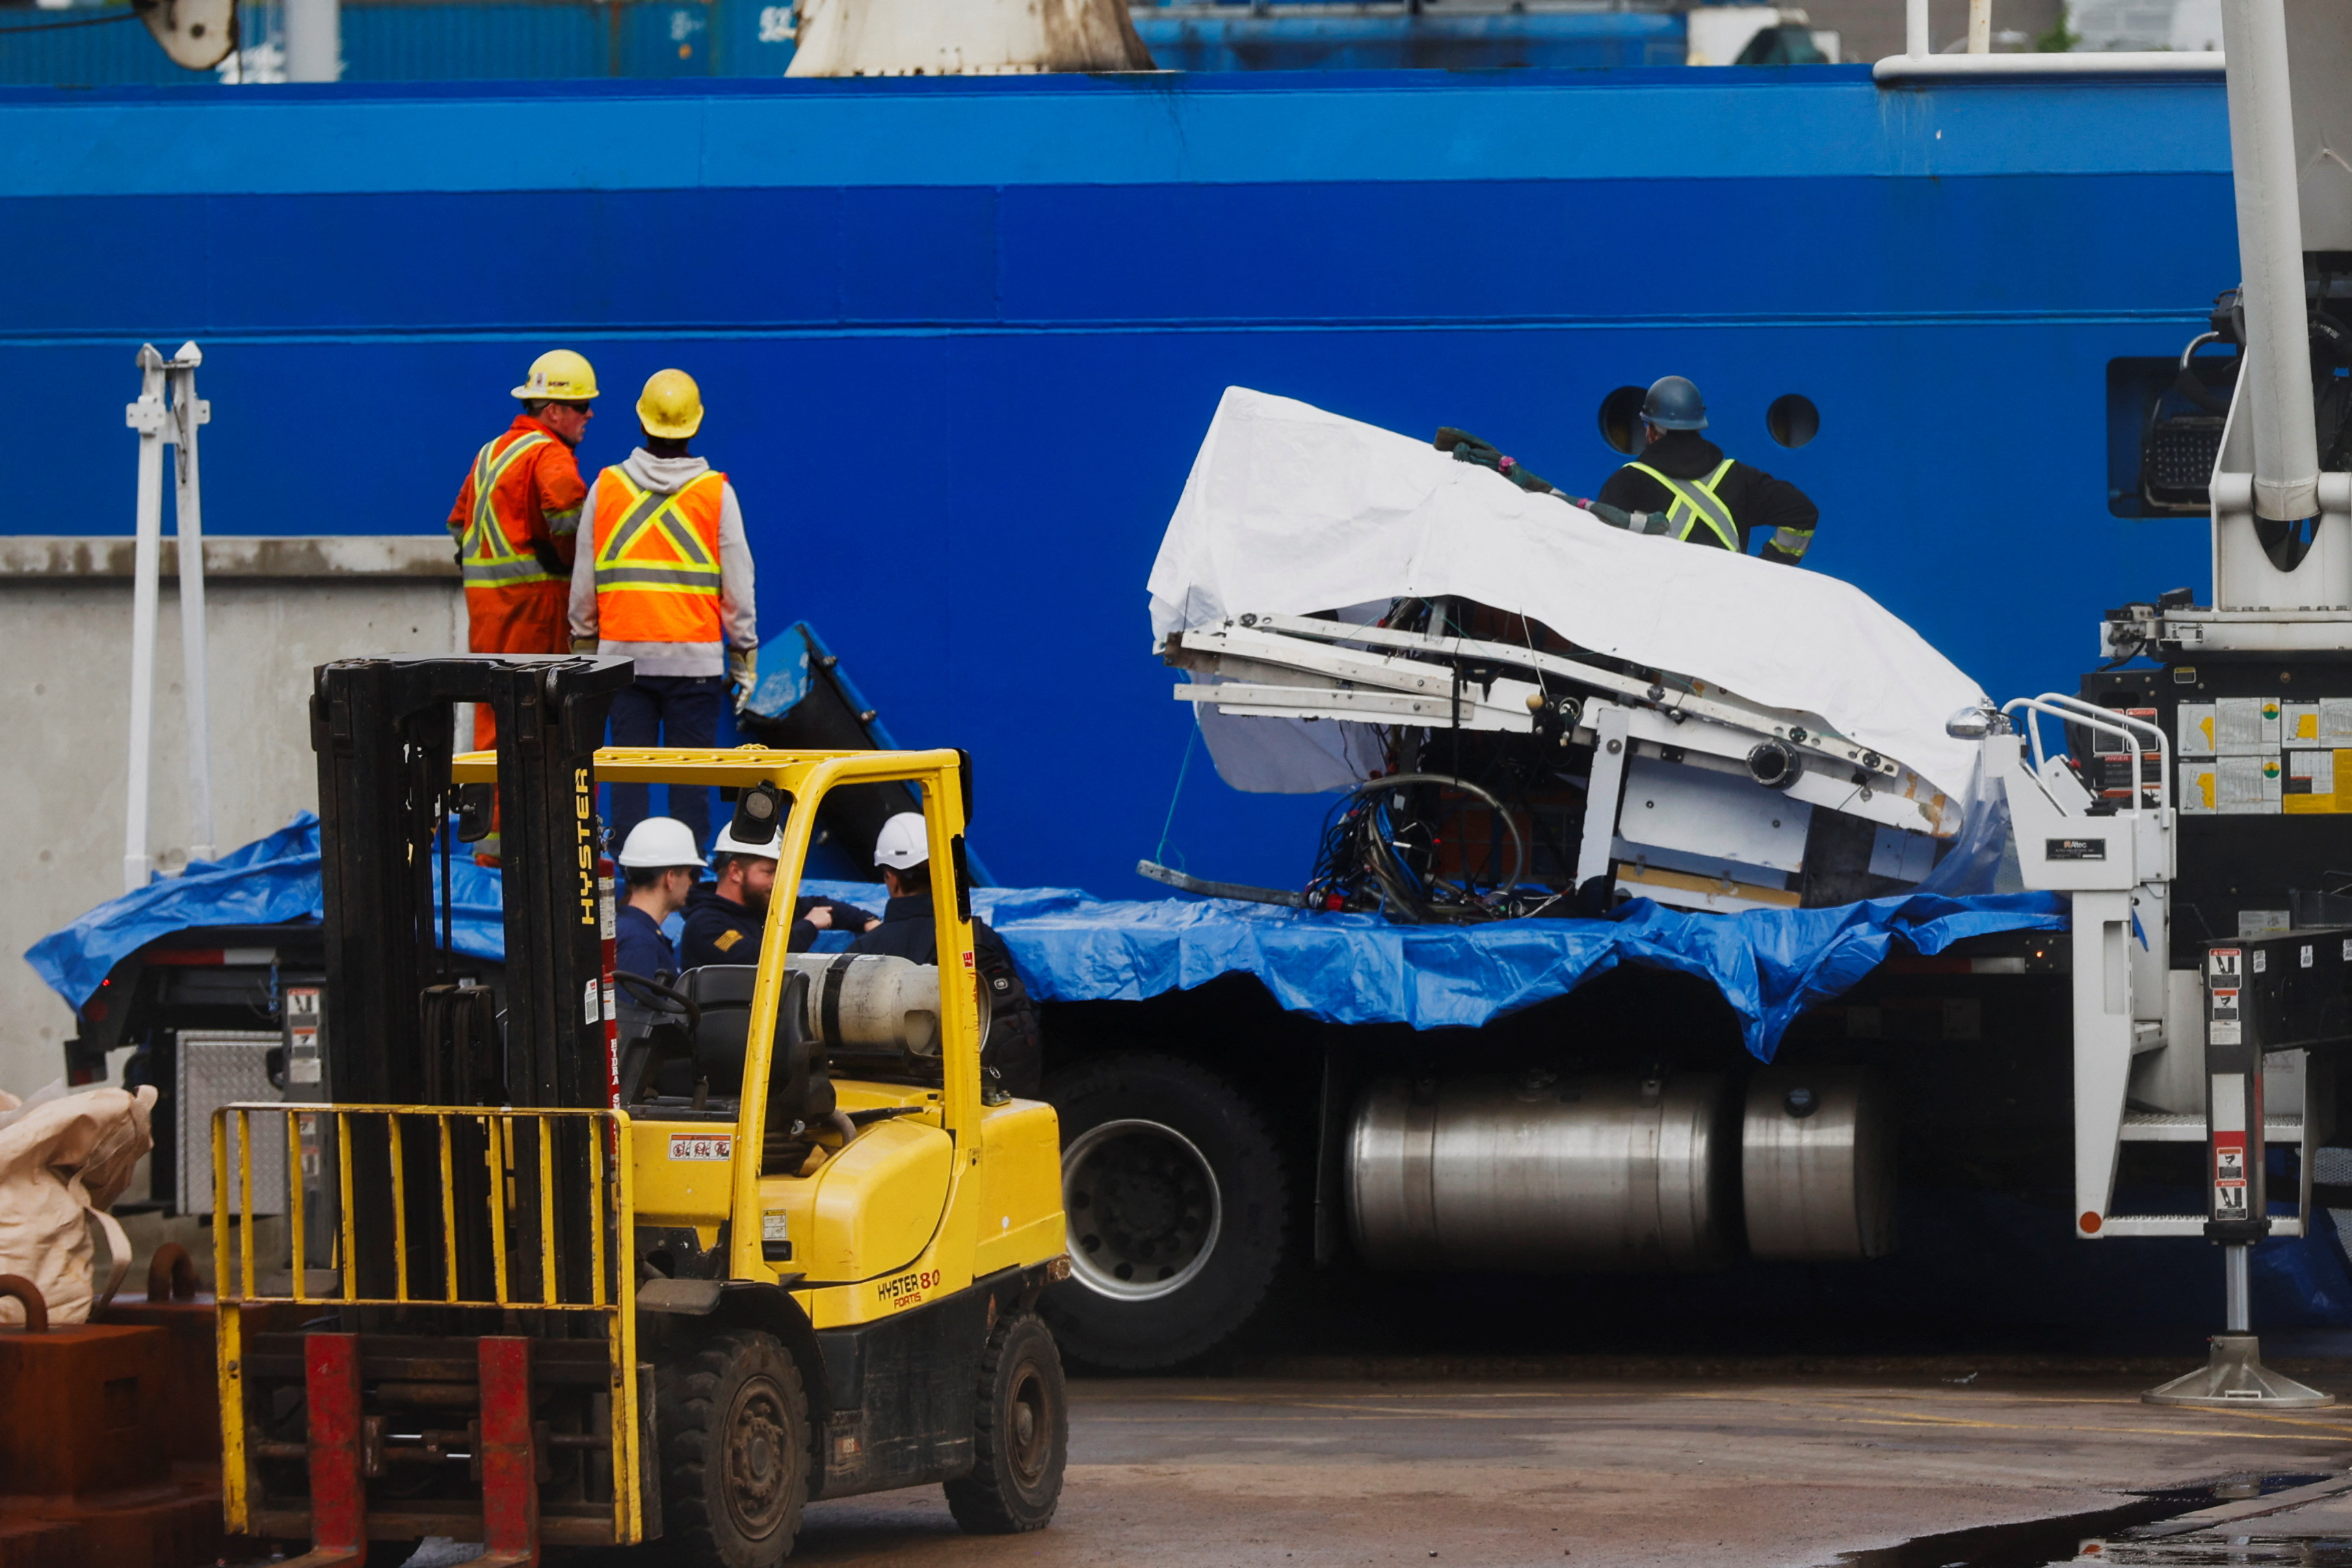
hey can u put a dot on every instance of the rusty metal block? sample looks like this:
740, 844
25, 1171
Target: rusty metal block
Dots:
179, 1530
188, 1410
29, 1542
85, 1407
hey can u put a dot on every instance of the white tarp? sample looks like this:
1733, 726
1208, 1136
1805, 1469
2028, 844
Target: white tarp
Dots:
1291, 511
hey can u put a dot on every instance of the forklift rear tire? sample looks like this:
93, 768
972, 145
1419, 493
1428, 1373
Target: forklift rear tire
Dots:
1178, 1211
734, 1434
1023, 1438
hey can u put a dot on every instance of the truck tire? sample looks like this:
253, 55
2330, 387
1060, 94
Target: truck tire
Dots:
1178, 1211
1022, 1438
733, 1428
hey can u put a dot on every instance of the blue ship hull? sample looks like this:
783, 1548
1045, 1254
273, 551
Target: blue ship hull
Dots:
959, 338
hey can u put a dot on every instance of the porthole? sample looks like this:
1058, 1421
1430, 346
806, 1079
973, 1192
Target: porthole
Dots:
1792, 419
1621, 418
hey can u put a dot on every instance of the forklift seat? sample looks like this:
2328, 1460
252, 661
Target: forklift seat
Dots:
723, 992
799, 1089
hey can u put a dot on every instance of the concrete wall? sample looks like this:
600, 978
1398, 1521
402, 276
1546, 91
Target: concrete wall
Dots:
276, 608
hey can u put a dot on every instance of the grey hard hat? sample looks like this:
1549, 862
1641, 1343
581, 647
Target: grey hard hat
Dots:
1673, 403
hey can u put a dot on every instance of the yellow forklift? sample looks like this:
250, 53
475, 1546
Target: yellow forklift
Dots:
571, 1285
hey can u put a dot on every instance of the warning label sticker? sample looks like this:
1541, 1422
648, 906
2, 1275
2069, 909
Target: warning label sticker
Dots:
2223, 975
2230, 1189
702, 1145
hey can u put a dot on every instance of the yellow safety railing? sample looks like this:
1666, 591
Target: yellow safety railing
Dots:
511, 1157
535, 1213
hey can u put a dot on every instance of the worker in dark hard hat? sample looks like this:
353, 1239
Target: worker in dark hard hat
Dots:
1011, 1051
726, 920
1682, 484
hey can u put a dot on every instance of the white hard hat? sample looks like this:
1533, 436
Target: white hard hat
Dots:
659, 842
902, 842
728, 845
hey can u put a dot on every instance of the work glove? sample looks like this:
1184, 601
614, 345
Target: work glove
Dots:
584, 645
1468, 448
743, 670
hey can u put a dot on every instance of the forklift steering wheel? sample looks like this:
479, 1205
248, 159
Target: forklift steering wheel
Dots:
677, 1001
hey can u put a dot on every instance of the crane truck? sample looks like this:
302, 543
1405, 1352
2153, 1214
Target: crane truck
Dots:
2192, 789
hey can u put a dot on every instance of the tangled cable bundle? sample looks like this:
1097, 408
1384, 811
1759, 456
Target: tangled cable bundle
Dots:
1365, 860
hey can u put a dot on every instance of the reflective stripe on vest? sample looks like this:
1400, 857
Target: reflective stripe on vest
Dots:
1695, 502
492, 559
657, 576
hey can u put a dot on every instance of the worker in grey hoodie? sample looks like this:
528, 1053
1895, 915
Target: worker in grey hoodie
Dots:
666, 580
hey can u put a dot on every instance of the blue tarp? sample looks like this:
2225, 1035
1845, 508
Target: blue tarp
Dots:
1071, 947
1357, 969
269, 882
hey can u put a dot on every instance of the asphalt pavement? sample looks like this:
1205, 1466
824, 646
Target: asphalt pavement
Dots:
1744, 1465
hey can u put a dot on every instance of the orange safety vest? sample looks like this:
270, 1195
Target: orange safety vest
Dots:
658, 560
494, 555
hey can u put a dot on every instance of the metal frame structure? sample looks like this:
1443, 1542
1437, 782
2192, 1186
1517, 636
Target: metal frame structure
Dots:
2116, 868
1307, 667
160, 425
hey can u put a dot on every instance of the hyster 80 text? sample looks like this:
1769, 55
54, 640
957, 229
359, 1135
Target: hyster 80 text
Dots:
907, 1289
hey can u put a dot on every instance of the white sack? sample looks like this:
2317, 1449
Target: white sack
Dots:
1290, 510
64, 1159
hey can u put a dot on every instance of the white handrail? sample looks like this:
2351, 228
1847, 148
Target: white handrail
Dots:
2071, 709
2145, 726
2080, 63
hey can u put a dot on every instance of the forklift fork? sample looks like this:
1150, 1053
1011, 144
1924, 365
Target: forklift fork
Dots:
508, 1454
510, 1457
331, 1377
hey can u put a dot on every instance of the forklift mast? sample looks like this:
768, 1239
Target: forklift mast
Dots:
396, 1031
384, 731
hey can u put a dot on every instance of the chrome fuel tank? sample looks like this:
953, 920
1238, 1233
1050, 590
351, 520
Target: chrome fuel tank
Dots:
1542, 1172
1817, 1164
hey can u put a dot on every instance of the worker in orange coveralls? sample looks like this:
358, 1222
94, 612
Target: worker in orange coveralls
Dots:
515, 522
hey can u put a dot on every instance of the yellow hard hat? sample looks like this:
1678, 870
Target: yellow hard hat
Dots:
670, 406
559, 375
